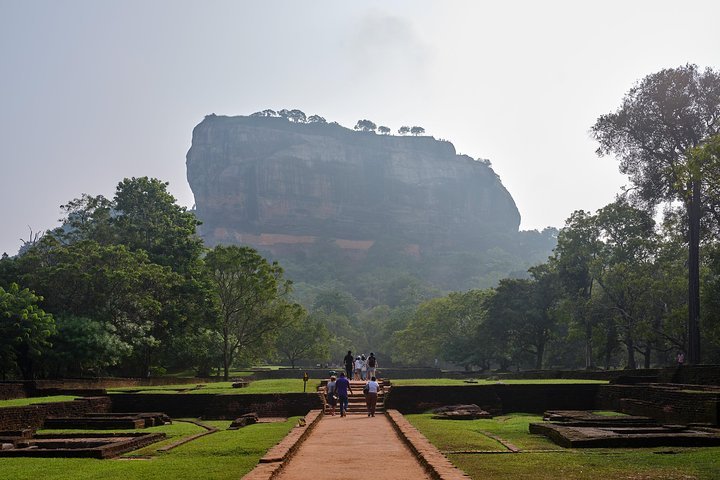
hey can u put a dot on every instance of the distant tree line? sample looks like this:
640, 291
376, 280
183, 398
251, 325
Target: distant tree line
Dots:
619, 290
126, 287
297, 116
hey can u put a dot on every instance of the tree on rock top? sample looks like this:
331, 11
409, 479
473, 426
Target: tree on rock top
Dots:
417, 130
365, 126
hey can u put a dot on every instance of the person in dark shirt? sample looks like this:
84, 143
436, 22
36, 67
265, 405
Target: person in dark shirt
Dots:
342, 387
349, 362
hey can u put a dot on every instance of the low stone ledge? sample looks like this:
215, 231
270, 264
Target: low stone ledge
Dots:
429, 456
277, 457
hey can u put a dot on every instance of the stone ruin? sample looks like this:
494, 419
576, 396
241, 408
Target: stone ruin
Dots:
26, 443
243, 421
460, 412
583, 429
108, 421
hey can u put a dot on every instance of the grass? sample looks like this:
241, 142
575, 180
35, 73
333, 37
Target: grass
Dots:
21, 402
455, 435
537, 463
454, 381
284, 385
219, 456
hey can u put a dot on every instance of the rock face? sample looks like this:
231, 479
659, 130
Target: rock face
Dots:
274, 184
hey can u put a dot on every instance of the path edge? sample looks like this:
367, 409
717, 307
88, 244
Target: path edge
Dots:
275, 459
436, 464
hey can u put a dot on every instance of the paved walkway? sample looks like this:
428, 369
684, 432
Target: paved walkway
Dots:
354, 447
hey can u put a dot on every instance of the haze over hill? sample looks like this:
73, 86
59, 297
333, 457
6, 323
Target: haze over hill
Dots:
304, 192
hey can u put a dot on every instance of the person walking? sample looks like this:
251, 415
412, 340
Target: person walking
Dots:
371, 365
371, 393
342, 387
349, 364
363, 368
358, 368
330, 394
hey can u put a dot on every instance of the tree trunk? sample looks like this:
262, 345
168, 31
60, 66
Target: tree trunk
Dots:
610, 335
630, 344
647, 354
540, 353
588, 345
226, 355
694, 213
25, 363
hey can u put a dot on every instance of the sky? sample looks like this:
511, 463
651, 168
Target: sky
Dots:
95, 91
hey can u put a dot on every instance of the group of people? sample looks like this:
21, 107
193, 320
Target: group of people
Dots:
339, 389
360, 368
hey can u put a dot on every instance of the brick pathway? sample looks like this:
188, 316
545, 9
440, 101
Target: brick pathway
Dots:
354, 447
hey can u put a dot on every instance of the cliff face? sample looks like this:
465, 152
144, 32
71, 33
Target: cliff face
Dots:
275, 184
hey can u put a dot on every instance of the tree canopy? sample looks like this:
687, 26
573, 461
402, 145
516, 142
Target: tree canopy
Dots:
662, 118
365, 126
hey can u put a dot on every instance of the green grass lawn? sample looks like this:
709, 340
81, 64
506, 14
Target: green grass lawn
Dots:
284, 385
453, 381
537, 463
218, 456
21, 402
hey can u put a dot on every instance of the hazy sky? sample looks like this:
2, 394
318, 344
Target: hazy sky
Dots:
94, 91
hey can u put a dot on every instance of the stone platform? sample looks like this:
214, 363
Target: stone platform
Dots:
581, 429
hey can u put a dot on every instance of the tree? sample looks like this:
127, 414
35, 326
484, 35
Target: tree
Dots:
417, 131
302, 338
526, 310
297, 116
112, 285
624, 268
247, 292
316, 119
662, 118
384, 130
404, 130
82, 345
265, 113
25, 330
85, 218
452, 328
147, 217
577, 247
365, 126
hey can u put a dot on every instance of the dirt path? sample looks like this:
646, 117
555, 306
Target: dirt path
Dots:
354, 447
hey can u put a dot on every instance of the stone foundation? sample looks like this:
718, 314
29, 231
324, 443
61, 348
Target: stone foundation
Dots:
496, 399
33, 416
221, 407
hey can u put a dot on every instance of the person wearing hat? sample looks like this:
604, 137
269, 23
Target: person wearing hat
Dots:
358, 368
330, 394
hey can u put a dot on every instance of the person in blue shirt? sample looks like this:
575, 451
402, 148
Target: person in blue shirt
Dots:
342, 387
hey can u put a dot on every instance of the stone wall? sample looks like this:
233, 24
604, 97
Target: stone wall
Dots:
496, 399
322, 373
607, 375
218, 406
666, 403
113, 382
692, 375
8, 391
33, 416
